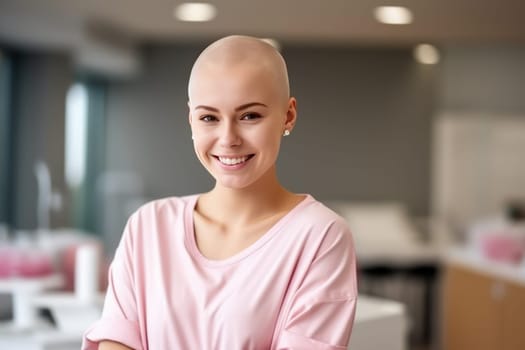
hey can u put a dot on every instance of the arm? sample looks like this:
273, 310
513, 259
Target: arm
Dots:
111, 345
119, 323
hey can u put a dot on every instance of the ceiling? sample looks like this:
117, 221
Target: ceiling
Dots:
62, 23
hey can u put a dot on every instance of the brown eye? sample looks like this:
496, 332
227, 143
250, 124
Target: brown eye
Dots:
208, 118
251, 116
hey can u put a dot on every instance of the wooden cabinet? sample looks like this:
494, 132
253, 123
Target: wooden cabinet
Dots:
514, 318
482, 312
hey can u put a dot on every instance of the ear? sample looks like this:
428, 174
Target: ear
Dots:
189, 113
291, 114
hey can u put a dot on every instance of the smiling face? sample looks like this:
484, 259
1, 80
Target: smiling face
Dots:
237, 123
238, 114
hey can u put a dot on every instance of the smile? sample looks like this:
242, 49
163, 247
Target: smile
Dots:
233, 160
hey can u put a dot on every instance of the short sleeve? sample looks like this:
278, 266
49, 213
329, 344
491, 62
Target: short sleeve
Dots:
323, 310
119, 321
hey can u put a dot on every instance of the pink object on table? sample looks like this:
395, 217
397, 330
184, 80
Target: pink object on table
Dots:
6, 261
35, 264
15, 262
503, 247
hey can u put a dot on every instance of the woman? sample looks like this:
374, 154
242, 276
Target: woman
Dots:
247, 265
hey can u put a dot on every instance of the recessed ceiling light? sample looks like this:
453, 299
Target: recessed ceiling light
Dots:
393, 15
195, 12
426, 54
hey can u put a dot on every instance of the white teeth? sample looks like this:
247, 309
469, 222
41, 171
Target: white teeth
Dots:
232, 161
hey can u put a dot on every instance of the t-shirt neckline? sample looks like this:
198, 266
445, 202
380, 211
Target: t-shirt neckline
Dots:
267, 236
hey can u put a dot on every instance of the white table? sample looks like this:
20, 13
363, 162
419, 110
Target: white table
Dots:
23, 290
72, 316
43, 337
379, 324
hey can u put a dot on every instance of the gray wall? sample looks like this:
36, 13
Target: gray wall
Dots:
484, 79
364, 127
5, 137
363, 131
41, 84
147, 125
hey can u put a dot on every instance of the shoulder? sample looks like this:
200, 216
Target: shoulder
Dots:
158, 217
162, 208
317, 214
320, 225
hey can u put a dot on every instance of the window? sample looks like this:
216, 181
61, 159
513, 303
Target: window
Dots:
85, 151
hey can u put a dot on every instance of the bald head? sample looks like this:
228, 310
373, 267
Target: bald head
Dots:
243, 51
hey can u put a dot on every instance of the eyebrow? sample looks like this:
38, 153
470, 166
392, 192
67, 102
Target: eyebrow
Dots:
240, 108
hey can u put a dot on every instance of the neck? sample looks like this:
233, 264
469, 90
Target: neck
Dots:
245, 205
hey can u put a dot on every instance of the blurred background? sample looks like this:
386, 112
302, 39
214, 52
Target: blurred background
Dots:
411, 125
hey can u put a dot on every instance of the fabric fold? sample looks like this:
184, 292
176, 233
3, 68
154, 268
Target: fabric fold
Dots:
118, 330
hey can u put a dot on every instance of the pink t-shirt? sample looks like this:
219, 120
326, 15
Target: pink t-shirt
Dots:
294, 288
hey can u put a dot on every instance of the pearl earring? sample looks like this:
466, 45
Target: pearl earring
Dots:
286, 132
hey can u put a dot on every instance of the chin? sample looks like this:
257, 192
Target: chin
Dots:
241, 181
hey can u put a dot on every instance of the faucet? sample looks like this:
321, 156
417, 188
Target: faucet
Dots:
43, 206
47, 199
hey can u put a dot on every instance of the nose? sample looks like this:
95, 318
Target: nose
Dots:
229, 135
